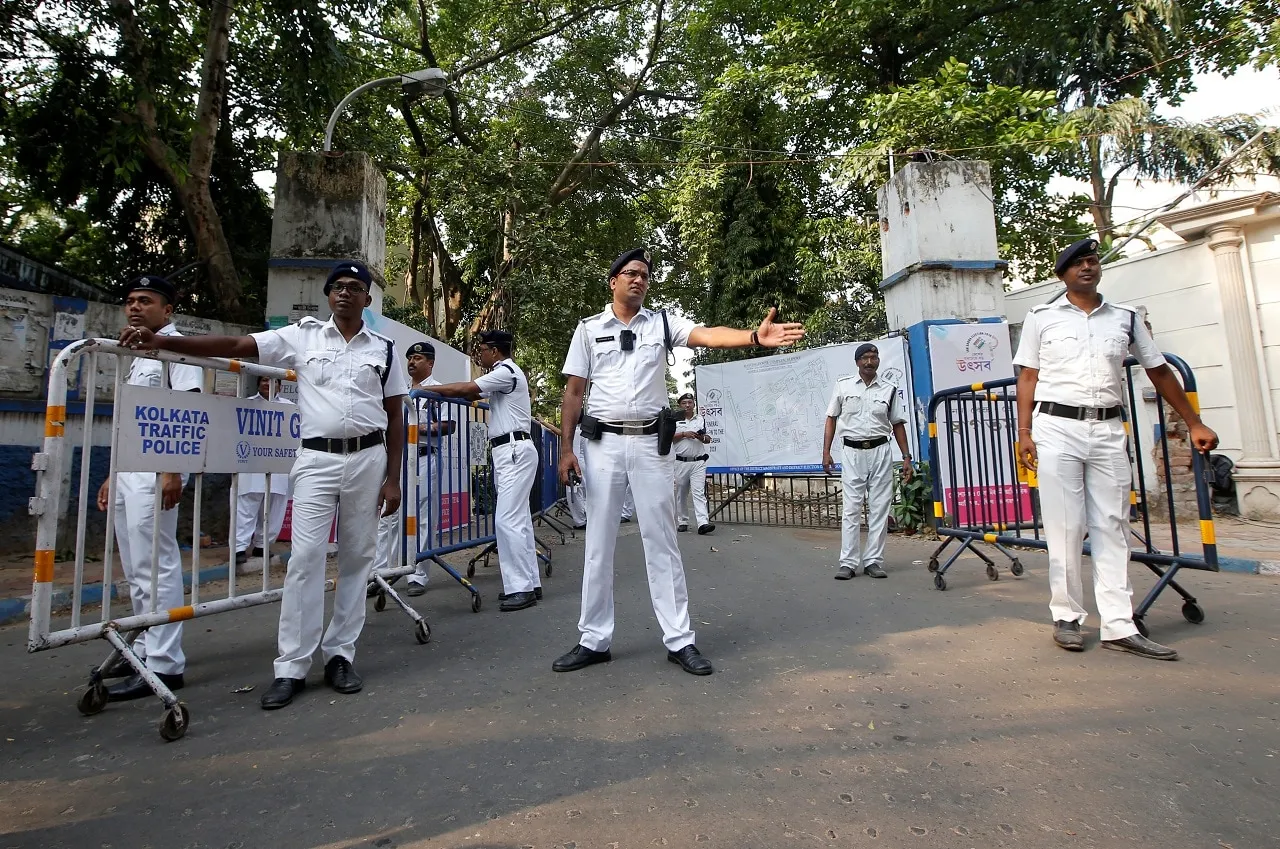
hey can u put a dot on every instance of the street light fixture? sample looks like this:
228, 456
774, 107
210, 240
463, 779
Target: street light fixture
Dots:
429, 82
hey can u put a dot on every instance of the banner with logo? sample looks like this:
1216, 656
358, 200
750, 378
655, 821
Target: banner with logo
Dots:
166, 431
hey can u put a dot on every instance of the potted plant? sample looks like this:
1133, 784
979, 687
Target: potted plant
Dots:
912, 500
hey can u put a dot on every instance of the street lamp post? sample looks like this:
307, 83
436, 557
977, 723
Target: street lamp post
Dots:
429, 82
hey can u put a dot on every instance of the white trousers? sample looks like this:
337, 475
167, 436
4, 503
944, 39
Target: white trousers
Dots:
866, 477
575, 497
612, 463
691, 477
515, 465
629, 503
249, 519
322, 481
390, 535
1084, 486
160, 646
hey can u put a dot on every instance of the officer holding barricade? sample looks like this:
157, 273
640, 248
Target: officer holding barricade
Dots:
251, 491
350, 397
629, 424
515, 464
866, 411
1071, 432
148, 306
691, 440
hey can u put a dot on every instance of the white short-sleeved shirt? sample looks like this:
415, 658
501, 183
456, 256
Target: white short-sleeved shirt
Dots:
1080, 356
340, 389
625, 385
144, 371
865, 411
430, 411
690, 447
507, 391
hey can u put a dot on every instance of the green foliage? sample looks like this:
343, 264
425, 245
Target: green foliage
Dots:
913, 499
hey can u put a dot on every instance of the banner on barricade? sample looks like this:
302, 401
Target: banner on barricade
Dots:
166, 431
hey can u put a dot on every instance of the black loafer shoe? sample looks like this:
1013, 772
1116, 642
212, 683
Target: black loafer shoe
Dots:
242, 557
579, 657
682, 528
135, 687
1067, 635
691, 660
257, 552
844, 573
626, 519
537, 593
416, 590
581, 527
119, 669
706, 529
874, 571
339, 675
518, 601
1137, 644
281, 692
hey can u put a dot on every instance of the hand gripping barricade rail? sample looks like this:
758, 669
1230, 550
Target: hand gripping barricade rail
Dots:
450, 477
981, 494
223, 434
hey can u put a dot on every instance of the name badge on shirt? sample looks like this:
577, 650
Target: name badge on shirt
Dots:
605, 338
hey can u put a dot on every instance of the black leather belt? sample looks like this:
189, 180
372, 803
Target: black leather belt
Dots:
515, 435
865, 443
691, 459
630, 430
343, 446
1081, 414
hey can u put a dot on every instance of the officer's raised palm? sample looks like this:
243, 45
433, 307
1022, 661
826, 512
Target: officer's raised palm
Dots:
773, 335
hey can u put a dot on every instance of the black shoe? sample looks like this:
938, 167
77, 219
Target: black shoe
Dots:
257, 552
580, 527
1067, 635
281, 692
416, 589
518, 601
844, 573
119, 669
1139, 645
691, 660
242, 557
136, 687
339, 675
706, 529
874, 571
537, 593
682, 528
626, 519
578, 657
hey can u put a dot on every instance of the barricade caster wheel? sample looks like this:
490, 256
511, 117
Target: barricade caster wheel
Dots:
933, 564
1015, 569
993, 574
92, 700
380, 602
471, 570
422, 632
475, 602
1141, 626
546, 570
1193, 612
173, 725
939, 582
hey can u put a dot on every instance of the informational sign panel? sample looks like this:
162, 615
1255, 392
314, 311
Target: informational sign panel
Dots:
166, 431
768, 414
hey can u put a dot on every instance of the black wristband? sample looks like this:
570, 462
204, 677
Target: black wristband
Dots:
755, 338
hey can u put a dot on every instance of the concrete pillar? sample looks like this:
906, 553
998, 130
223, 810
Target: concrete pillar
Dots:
327, 208
1258, 472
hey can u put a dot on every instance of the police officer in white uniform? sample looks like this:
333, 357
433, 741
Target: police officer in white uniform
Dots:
690, 442
1071, 432
515, 464
350, 396
149, 304
865, 410
250, 492
623, 353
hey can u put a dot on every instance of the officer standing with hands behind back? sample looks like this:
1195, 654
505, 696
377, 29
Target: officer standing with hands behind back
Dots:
1071, 432
623, 353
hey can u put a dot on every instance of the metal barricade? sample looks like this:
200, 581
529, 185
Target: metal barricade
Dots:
191, 433
982, 495
798, 501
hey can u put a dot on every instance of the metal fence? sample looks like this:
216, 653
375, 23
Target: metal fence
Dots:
810, 501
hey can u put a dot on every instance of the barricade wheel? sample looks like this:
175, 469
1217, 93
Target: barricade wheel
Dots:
380, 602
173, 725
1015, 569
993, 574
1141, 626
471, 569
546, 570
933, 564
93, 700
475, 602
1193, 612
422, 632
939, 582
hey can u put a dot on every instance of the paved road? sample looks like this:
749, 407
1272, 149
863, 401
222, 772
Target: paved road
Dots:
863, 713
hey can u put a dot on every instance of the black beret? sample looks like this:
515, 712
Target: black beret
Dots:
426, 349
496, 337
863, 349
153, 283
349, 268
1072, 252
688, 395
641, 254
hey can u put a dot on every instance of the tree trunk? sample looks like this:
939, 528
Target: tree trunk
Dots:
412, 293
1099, 208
